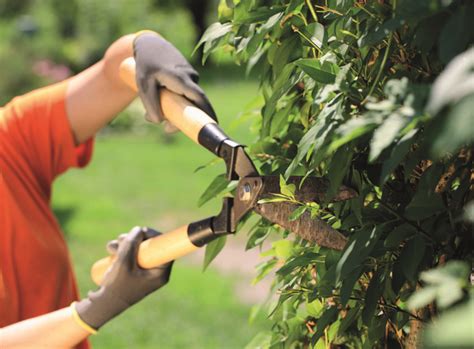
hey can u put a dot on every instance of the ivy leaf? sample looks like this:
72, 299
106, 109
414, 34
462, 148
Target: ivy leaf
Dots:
212, 250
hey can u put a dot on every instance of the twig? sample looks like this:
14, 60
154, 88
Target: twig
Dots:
297, 30
311, 9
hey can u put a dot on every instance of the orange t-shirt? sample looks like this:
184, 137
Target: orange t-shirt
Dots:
36, 145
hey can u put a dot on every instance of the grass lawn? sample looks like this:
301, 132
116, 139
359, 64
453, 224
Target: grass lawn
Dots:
139, 180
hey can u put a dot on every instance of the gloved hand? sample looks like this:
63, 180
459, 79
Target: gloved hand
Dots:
125, 283
159, 64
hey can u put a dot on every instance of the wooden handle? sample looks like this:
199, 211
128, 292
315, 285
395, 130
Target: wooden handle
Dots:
152, 252
177, 109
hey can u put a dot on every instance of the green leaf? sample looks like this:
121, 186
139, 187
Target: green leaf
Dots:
283, 248
454, 130
348, 285
469, 212
264, 268
448, 282
243, 16
426, 201
454, 83
457, 33
411, 257
297, 213
352, 129
299, 261
397, 154
218, 185
386, 133
213, 32
315, 308
257, 237
350, 318
316, 70
453, 329
316, 33
379, 32
287, 189
212, 250
327, 318
372, 296
317, 134
262, 340
357, 249
422, 298
399, 234
283, 54
338, 168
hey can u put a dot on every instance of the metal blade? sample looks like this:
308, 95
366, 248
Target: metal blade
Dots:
244, 167
311, 229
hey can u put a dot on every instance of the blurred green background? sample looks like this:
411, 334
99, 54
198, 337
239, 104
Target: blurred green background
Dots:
139, 175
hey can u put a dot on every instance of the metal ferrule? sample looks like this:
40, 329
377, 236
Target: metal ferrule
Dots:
201, 232
211, 137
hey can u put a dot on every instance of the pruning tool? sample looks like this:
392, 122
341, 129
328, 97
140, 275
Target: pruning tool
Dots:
253, 192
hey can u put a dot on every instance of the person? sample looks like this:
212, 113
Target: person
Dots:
42, 134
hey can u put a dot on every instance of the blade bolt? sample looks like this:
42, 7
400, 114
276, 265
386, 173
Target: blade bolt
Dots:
245, 192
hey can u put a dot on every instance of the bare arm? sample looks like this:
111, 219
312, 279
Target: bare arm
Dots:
61, 328
96, 95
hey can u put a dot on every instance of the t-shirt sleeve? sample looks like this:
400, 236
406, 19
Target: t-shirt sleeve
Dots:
38, 130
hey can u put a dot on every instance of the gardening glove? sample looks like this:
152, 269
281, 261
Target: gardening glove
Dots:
125, 283
160, 65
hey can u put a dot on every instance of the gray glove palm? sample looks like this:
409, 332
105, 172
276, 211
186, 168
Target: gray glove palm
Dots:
159, 64
125, 283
